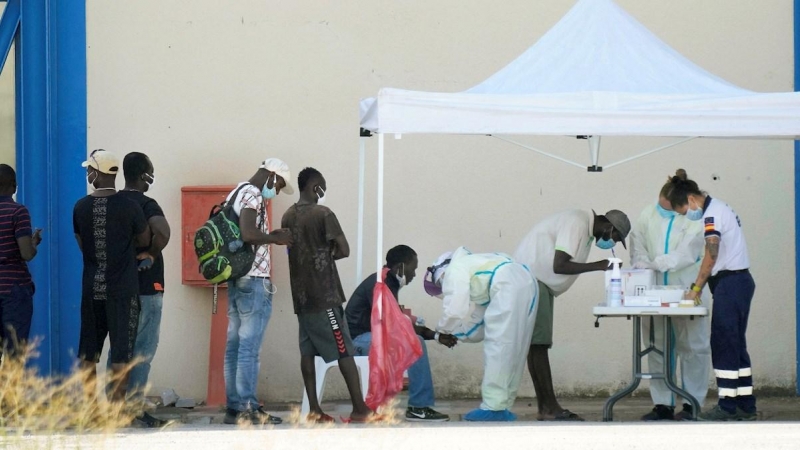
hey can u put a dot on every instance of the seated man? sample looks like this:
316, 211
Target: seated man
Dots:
402, 264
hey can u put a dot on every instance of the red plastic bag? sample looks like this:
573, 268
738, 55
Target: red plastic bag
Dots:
395, 346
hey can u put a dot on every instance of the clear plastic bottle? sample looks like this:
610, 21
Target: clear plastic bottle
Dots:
614, 292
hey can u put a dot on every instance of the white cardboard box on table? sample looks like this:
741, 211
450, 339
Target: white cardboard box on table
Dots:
641, 301
634, 281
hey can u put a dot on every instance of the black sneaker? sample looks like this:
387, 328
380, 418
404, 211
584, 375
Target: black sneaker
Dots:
659, 412
232, 416
148, 421
261, 417
717, 414
686, 414
425, 415
743, 415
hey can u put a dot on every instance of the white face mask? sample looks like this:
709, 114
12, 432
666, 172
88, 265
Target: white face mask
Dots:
91, 180
321, 199
401, 278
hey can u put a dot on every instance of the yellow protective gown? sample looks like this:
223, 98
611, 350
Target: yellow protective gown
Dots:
489, 297
674, 248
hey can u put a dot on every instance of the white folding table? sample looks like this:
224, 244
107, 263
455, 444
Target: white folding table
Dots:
636, 313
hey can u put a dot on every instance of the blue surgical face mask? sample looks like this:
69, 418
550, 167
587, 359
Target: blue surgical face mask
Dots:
694, 214
665, 213
605, 244
269, 193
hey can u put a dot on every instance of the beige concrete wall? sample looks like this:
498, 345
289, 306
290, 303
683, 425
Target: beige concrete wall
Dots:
208, 89
7, 142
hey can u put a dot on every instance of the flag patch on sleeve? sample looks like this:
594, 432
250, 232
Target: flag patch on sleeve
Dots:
709, 227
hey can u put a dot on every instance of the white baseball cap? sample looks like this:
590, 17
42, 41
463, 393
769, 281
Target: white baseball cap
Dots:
282, 170
102, 161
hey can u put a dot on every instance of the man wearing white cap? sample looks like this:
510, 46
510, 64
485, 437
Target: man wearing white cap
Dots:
556, 249
250, 297
108, 228
488, 297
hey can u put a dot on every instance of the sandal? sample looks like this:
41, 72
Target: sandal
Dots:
372, 418
319, 418
564, 416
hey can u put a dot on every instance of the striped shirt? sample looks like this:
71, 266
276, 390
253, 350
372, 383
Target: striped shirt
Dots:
250, 198
15, 223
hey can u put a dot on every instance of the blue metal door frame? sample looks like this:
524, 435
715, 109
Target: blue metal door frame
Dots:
797, 201
50, 50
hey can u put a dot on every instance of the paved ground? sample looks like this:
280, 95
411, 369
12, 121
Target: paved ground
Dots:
201, 428
626, 410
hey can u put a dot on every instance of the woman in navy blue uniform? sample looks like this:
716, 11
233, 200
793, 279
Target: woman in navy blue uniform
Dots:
725, 268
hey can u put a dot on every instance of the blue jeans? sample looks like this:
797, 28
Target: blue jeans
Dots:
249, 310
420, 381
146, 342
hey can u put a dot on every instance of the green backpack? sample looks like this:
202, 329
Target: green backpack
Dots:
222, 254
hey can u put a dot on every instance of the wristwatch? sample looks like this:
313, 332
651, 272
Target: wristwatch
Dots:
696, 288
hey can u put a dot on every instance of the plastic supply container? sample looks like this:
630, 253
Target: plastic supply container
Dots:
667, 294
641, 301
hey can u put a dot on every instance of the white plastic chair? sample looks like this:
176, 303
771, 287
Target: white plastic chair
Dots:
321, 367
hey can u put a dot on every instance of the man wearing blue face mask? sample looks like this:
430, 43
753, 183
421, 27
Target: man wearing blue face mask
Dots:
672, 245
556, 250
250, 297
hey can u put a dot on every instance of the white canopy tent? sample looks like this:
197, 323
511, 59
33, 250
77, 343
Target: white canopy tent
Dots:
597, 72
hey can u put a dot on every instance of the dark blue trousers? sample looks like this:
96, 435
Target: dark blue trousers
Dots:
16, 312
733, 294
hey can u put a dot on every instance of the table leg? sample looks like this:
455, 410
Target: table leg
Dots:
668, 363
608, 414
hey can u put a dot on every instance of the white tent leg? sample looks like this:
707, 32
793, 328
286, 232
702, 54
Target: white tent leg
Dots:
379, 243
360, 238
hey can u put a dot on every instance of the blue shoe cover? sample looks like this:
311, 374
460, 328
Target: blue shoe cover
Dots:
484, 415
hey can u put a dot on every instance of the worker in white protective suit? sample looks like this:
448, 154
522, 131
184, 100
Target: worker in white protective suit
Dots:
672, 245
488, 297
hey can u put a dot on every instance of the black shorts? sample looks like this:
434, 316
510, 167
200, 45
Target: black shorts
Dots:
325, 333
116, 317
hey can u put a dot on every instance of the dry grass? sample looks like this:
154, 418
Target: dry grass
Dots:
387, 414
35, 404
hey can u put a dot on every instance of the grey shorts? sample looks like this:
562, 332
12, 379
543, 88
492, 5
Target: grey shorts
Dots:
543, 328
325, 334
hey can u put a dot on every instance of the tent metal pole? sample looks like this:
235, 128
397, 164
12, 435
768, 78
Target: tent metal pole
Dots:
379, 243
594, 149
360, 239
533, 149
650, 151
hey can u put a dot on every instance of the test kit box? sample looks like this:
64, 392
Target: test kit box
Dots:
634, 281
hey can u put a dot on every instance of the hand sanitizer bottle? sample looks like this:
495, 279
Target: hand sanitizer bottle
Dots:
614, 292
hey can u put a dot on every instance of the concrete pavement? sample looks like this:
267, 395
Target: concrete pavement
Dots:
201, 428
626, 410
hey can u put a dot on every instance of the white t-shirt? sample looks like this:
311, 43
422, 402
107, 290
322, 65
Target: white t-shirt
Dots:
250, 198
722, 221
570, 232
